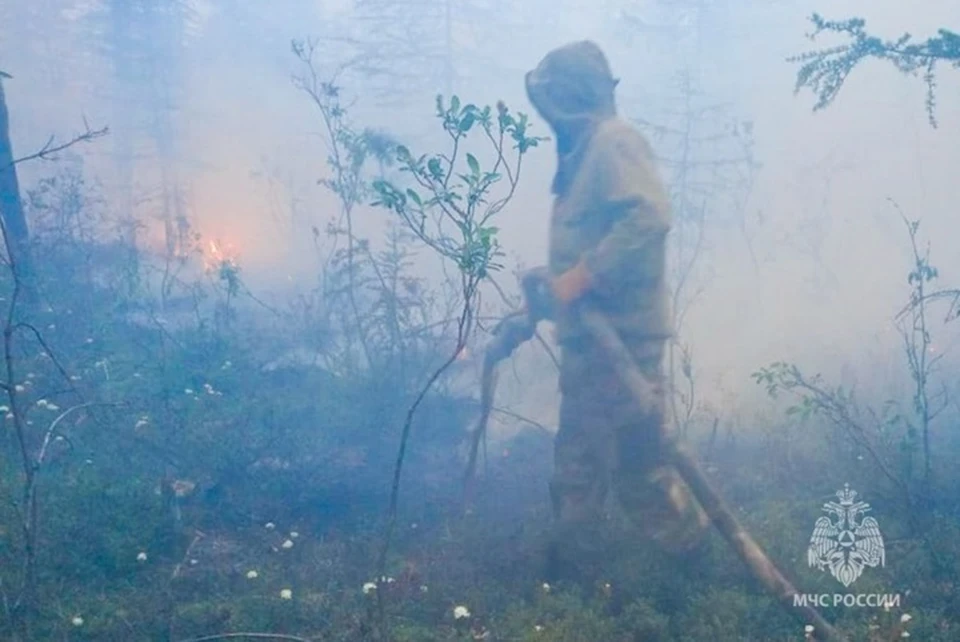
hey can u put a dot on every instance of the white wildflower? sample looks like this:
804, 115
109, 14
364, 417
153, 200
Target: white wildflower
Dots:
288, 543
182, 487
808, 629
137, 375
252, 575
188, 391
387, 580
369, 588
30, 375
545, 587
906, 617
537, 628
19, 388
193, 562
423, 588
42, 403
286, 594
294, 534
77, 620
269, 526
89, 340
460, 612
141, 556
141, 423
4, 408
53, 407
9, 415
905, 634
74, 377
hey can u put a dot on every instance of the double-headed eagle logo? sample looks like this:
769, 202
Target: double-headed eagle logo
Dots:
850, 543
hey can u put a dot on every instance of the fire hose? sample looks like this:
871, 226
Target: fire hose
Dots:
520, 327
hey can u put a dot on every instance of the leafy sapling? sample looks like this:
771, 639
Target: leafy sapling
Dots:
449, 204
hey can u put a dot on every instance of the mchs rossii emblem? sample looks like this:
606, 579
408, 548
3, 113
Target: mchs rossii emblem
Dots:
849, 542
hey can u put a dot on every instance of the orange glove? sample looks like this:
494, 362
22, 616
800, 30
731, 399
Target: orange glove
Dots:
572, 284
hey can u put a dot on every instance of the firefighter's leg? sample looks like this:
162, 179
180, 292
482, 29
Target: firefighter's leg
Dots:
650, 491
581, 477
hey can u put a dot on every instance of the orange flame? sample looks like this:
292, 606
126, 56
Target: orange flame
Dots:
217, 254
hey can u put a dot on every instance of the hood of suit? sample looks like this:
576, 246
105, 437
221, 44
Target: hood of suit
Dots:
573, 90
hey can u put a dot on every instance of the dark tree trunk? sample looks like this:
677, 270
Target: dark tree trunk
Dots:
11, 205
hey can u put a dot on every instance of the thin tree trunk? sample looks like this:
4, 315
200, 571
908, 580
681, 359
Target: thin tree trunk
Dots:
11, 205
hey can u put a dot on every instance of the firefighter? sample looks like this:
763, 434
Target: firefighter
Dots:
608, 233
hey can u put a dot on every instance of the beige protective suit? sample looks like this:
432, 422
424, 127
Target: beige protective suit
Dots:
612, 211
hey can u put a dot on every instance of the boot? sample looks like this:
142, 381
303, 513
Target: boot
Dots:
576, 557
671, 516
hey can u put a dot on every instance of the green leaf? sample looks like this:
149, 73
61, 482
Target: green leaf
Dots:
413, 196
474, 165
455, 104
467, 122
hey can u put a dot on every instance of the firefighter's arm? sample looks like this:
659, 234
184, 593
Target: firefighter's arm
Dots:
629, 191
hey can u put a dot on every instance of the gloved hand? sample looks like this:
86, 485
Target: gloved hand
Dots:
533, 278
537, 293
572, 284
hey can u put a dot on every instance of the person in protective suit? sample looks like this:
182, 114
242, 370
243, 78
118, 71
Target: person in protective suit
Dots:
608, 233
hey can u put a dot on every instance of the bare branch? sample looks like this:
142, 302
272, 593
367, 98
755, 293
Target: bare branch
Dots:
519, 417
49, 151
52, 430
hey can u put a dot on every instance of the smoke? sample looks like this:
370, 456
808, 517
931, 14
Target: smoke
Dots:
810, 269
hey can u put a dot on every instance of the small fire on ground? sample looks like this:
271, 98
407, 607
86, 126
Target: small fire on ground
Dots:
217, 254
